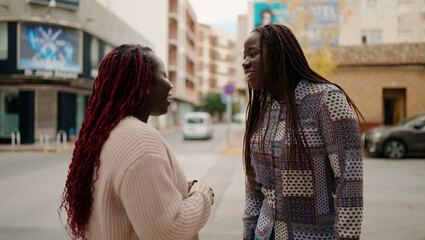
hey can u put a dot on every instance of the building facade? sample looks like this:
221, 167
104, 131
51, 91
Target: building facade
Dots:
218, 63
49, 55
218, 58
372, 22
385, 81
172, 28
379, 54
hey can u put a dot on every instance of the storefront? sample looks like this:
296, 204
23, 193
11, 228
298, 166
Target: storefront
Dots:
46, 78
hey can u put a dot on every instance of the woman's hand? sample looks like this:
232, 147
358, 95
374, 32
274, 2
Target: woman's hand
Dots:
193, 182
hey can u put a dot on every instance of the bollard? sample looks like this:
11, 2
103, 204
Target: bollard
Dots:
61, 137
46, 139
18, 138
13, 139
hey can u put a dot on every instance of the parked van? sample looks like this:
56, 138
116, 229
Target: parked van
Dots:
197, 125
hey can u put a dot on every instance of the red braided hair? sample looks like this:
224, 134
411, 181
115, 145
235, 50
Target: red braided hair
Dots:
119, 90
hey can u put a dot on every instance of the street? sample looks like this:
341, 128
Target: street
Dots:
31, 185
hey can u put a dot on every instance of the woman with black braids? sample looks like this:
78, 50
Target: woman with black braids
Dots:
302, 146
124, 181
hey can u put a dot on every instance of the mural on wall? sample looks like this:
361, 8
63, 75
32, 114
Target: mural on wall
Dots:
49, 48
319, 20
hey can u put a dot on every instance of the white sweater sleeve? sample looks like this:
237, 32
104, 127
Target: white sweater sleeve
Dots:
154, 205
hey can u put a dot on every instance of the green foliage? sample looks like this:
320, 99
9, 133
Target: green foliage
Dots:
321, 61
235, 108
212, 103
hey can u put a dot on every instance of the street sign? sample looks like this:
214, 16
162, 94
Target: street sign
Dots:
229, 89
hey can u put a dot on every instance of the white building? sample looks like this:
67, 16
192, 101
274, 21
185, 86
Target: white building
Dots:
172, 27
383, 22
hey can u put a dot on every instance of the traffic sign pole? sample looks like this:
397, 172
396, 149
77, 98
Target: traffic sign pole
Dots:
229, 89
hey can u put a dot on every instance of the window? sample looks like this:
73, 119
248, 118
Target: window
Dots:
371, 37
9, 115
195, 120
3, 40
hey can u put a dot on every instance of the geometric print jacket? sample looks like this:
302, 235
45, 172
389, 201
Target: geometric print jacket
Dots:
323, 200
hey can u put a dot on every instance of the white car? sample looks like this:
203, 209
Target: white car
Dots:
197, 125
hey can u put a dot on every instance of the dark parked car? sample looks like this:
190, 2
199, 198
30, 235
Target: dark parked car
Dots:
395, 141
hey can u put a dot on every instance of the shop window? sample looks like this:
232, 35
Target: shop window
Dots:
9, 116
3, 40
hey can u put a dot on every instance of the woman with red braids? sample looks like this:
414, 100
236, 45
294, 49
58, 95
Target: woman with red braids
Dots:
124, 181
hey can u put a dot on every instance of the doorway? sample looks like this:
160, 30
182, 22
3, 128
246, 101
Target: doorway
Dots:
394, 105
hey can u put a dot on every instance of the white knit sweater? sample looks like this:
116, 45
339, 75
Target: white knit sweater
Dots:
141, 191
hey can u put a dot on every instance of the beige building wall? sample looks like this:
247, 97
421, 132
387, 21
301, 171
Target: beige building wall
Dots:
171, 27
243, 33
382, 22
206, 80
365, 85
218, 58
146, 17
224, 57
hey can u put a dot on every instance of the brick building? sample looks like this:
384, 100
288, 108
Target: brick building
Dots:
385, 81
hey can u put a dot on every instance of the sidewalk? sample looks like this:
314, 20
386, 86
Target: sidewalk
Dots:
234, 145
37, 147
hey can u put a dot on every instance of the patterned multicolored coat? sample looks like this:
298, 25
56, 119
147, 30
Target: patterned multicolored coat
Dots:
323, 200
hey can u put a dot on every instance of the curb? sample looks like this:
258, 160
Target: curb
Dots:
231, 151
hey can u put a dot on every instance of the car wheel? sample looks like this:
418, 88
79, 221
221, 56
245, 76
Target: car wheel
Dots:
394, 149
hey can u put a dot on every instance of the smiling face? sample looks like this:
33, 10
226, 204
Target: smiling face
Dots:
252, 61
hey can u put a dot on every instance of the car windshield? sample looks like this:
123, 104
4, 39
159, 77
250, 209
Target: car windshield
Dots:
407, 120
195, 120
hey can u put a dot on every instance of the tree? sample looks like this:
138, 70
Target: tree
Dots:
212, 103
316, 39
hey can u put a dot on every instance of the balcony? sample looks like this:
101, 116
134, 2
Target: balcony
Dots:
174, 6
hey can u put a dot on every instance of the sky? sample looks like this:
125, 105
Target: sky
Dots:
222, 14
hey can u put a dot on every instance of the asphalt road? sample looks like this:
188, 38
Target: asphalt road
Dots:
31, 184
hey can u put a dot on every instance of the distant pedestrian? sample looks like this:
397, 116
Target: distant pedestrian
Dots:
302, 146
124, 182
